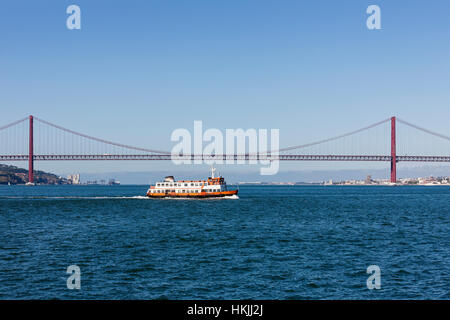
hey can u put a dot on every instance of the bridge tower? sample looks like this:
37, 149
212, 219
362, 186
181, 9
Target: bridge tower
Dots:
393, 152
30, 153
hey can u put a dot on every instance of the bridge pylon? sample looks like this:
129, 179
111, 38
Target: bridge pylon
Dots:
393, 152
30, 152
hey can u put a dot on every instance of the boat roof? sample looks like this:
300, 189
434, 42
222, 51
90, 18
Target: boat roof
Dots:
209, 179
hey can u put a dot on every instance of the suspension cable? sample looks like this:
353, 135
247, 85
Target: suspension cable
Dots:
101, 140
423, 129
13, 123
334, 138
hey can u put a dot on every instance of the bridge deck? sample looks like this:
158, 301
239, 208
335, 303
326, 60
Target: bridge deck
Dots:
166, 157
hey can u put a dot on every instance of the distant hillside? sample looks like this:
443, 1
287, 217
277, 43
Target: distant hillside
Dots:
15, 175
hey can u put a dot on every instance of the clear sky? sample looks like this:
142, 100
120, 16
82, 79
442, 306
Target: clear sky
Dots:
137, 70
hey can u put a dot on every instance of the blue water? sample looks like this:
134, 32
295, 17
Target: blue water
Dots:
272, 243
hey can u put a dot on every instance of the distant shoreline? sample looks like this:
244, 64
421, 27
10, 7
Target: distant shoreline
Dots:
239, 185
343, 185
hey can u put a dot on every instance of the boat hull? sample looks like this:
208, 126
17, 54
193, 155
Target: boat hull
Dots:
201, 195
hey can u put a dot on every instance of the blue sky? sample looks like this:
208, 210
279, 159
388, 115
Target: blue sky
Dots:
137, 70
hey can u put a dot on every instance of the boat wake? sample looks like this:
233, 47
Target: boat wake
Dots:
104, 198
234, 197
75, 197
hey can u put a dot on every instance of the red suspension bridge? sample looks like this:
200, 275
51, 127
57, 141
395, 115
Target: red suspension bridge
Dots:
53, 142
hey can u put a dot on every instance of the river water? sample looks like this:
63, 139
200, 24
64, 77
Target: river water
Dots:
274, 242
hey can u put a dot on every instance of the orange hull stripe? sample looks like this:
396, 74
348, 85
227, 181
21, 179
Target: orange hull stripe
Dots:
200, 194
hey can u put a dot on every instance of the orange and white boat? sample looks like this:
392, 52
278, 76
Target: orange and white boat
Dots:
213, 187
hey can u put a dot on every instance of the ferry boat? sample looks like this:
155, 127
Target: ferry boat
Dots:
213, 187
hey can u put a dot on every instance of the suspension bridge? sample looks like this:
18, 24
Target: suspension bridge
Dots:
33, 139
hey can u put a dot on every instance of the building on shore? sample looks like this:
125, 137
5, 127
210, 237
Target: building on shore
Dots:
113, 182
74, 178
